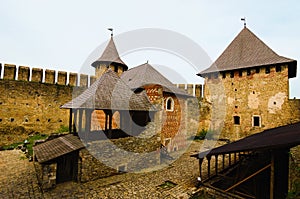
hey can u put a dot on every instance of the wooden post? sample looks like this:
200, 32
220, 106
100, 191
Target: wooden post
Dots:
106, 116
229, 159
200, 166
75, 120
234, 158
223, 161
80, 120
279, 174
208, 166
70, 121
110, 124
216, 164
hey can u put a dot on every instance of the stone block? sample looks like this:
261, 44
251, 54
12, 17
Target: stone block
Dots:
62, 78
23, 73
50, 76
37, 75
73, 79
9, 71
83, 80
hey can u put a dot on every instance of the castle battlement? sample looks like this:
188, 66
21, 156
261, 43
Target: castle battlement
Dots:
48, 76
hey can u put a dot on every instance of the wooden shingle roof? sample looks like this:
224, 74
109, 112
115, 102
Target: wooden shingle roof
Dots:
110, 55
57, 147
109, 92
145, 74
246, 51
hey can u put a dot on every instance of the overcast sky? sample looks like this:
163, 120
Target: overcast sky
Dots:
61, 35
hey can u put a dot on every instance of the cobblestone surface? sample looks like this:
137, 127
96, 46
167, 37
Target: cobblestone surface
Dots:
18, 180
17, 176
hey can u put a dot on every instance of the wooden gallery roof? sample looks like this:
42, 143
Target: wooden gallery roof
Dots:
57, 147
110, 55
109, 92
276, 138
247, 51
145, 74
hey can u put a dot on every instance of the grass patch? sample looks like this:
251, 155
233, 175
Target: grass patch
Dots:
11, 146
63, 129
30, 142
167, 185
32, 139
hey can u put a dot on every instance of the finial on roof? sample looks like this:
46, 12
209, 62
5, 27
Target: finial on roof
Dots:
111, 30
147, 61
244, 19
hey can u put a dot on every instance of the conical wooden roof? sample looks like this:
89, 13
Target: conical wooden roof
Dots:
109, 92
110, 55
145, 74
246, 51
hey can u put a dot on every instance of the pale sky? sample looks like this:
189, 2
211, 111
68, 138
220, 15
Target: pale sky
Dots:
61, 35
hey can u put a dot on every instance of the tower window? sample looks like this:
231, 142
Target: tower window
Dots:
248, 72
267, 69
169, 104
116, 69
231, 74
224, 75
240, 73
256, 121
257, 70
236, 120
278, 68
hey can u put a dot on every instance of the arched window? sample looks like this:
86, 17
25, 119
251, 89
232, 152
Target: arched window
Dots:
169, 104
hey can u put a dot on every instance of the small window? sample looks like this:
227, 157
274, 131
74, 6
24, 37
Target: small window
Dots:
248, 72
236, 120
278, 68
231, 74
116, 69
256, 121
267, 69
224, 75
12, 119
240, 73
122, 168
169, 104
257, 70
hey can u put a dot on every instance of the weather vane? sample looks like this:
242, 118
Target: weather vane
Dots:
244, 19
111, 30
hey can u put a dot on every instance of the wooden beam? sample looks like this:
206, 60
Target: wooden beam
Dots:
245, 179
70, 121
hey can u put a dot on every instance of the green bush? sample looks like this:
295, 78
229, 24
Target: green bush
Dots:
63, 129
204, 134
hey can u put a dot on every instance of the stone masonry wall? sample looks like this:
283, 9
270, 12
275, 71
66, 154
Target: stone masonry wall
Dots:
261, 94
105, 158
31, 103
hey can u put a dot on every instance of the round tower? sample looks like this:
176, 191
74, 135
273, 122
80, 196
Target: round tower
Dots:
109, 59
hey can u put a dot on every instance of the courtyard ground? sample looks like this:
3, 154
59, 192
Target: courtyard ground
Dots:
18, 180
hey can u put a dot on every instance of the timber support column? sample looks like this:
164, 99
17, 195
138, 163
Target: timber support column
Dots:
279, 174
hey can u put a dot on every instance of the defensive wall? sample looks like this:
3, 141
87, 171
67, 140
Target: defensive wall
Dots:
31, 97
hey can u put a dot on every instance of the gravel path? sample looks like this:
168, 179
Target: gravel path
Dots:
18, 180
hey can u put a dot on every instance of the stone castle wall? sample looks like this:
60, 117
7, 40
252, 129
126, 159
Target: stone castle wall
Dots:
30, 100
248, 94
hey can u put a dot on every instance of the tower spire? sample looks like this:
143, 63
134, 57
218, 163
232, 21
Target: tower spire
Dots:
112, 31
244, 19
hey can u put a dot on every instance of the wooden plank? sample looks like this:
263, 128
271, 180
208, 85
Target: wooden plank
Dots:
245, 179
